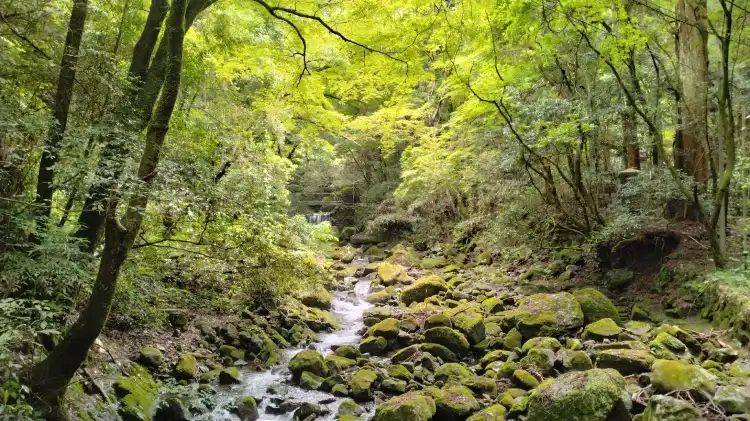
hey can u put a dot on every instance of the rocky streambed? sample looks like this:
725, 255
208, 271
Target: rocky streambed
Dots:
454, 343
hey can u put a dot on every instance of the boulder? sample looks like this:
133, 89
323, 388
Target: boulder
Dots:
601, 329
439, 351
247, 409
596, 306
361, 385
394, 386
381, 297
669, 375
574, 360
626, 361
136, 394
667, 408
391, 274
422, 289
412, 406
349, 407
318, 299
451, 370
172, 409
468, 319
307, 411
524, 379
513, 339
592, 395
450, 338
733, 398
347, 351
404, 354
480, 385
376, 314
337, 364
229, 375
437, 320
150, 357
310, 381
539, 359
374, 345
491, 413
455, 403
387, 328
308, 360
541, 342
186, 368
548, 315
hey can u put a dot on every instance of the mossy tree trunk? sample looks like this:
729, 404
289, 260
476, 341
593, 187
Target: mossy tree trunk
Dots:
50, 377
63, 97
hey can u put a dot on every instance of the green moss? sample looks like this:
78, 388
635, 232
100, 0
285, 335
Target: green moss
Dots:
480, 385
468, 318
667, 408
422, 289
596, 306
669, 375
229, 375
308, 360
310, 381
412, 406
513, 339
136, 393
539, 359
524, 379
437, 262
387, 328
541, 342
548, 315
439, 351
455, 402
601, 329
374, 345
391, 274
337, 364
186, 368
626, 361
575, 360
361, 384
399, 371
437, 320
404, 354
450, 338
451, 370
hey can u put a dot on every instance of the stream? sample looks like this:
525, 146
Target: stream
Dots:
272, 387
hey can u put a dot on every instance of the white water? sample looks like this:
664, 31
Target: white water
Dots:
347, 307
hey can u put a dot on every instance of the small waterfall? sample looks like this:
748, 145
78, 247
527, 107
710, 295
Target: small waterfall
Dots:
318, 217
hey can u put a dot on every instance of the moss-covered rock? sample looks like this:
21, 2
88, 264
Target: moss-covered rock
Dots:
539, 359
422, 289
399, 371
541, 342
510, 397
484, 258
513, 339
412, 406
669, 375
574, 360
404, 354
337, 364
439, 351
437, 320
666, 346
667, 408
349, 407
496, 355
596, 306
626, 361
247, 408
524, 379
186, 368
450, 338
373, 345
734, 399
491, 413
592, 395
231, 352
502, 370
617, 279
376, 314
361, 385
320, 298
150, 357
391, 274
387, 328
548, 315
347, 351
480, 385
601, 329
455, 403
381, 297
136, 394
394, 386
468, 318
451, 370
308, 360
434, 263
229, 375
310, 381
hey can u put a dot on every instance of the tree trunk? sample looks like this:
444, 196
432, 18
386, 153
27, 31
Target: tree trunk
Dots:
50, 377
630, 140
63, 97
147, 82
690, 150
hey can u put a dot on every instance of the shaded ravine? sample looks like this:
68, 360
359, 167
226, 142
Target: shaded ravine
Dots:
272, 387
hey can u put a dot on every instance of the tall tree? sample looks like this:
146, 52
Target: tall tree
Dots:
50, 377
60, 110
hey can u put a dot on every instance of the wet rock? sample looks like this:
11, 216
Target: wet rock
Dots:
601, 329
310, 381
172, 409
229, 375
734, 399
308, 360
307, 410
596, 306
450, 338
667, 408
592, 395
548, 315
347, 351
186, 368
626, 361
374, 345
349, 407
247, 409
150, 357
422, 289
361, 385
381, 297
669, 375
412, 406
340, 390
136, 394
455, 403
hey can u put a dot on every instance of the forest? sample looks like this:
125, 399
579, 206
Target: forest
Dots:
413, 210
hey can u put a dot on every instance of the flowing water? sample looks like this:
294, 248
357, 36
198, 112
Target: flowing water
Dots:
272, 387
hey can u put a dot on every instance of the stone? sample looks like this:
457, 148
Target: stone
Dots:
539, 359
638, 313
468, 319
308, 360
513, 339
150, 357
347, 351
361, 385
667, 408
496, 355
451, 370
307, 410
381, 297
374, 345
670, 375
439, 351
617, 279
393, 385
493, 304
409, 324
484, 258
247, 408
422, 289
186, 368
340, 390
412, 406
503, 370
596, 306
524, 379
375, 314
574, 360
601, 329
320, 298
450, 338
391, 274
433, 263
399, 371
387, 328
455, 403
231, 352
136, 394
337, 364
541, 342
310, 381
626, 361
491, 413
437, 320
733, 398
349, 407
548, 315
480, 385
230, 375
592, 395
172, 409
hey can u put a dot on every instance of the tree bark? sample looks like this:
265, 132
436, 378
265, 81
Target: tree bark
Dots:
50, 377
630, 140
690, 150
147, 81
63, 97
